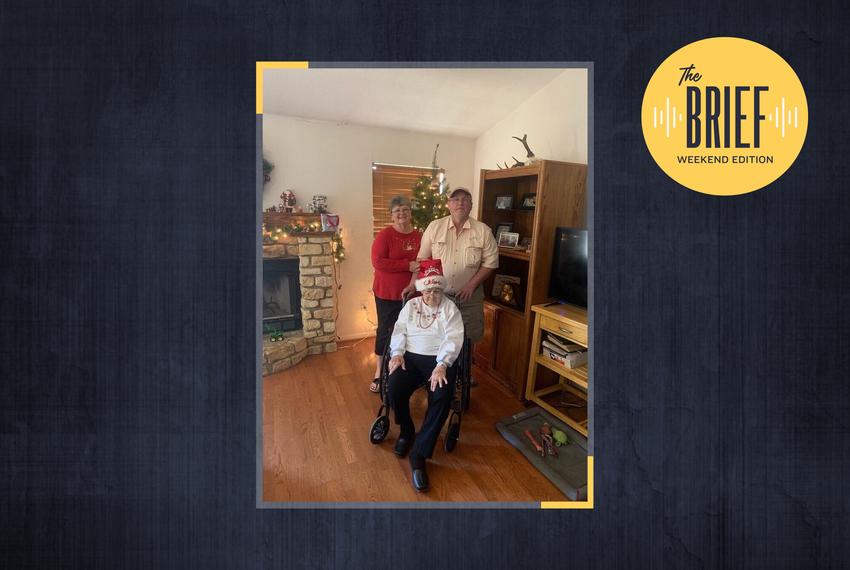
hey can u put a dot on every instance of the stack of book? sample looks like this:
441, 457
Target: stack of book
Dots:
564, 353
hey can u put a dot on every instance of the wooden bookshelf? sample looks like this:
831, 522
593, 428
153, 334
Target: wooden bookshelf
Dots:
559, 192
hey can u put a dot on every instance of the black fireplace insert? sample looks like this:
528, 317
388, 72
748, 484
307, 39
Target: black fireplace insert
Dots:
281, 295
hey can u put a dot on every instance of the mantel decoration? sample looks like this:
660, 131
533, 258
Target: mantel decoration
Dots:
319, 205
287, 202
330, 222
275, 234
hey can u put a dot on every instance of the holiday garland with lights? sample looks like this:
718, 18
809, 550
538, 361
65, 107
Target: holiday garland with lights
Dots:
273, 235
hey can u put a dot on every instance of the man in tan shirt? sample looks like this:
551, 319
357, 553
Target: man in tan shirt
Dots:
469, 255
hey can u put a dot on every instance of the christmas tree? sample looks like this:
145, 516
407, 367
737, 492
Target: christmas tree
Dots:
430, 195
429, 203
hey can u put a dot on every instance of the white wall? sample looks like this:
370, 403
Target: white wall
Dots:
555, 119
321, 157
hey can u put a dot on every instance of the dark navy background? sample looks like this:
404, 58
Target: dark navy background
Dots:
127, 356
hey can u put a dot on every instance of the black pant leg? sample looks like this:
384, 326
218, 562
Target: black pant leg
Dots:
402, 385
387, 311
439, 406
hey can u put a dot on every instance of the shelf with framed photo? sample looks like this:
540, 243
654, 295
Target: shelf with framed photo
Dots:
501, 285
509, 240
504, 202
529, 202
502, 227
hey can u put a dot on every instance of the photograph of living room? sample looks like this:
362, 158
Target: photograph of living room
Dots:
366, 170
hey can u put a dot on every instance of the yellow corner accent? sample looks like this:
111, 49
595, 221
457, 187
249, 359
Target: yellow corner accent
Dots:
588, 504
263, 65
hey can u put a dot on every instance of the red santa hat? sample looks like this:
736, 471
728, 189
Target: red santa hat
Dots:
430, 275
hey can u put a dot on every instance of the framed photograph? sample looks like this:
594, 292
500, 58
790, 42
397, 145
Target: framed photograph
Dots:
525, 243
504, 202
500, 280
529, 201
510, 294
508, 239
503, 227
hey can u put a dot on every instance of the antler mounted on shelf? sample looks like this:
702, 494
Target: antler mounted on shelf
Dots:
529, 154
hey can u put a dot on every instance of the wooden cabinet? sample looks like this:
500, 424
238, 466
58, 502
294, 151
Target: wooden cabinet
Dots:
560, 390
557, 190
496, 353
508, 343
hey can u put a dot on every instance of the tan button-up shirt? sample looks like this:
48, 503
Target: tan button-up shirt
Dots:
462, 255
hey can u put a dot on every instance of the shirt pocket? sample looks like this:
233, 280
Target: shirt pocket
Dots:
438, 248
473, 253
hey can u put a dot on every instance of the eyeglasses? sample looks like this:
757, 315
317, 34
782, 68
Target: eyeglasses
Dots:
465, 200
398, 211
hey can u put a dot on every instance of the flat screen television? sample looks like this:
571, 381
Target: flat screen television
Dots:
568, 283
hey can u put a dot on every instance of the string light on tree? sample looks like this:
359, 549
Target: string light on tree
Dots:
430, 196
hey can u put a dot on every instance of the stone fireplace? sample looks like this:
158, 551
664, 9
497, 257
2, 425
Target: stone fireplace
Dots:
316, 288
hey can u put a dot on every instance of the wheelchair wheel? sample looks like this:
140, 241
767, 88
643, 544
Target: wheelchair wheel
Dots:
380, 429
452, 433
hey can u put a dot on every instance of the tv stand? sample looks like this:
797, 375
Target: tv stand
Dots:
559, 390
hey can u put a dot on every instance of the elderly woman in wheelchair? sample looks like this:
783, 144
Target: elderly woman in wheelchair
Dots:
425, 344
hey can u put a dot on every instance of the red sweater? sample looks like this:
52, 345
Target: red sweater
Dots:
392, 252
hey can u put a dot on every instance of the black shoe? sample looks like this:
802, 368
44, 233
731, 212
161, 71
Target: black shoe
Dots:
420, 479
403, 445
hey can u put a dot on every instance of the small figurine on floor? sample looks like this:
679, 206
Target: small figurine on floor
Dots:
548, 440
561, 438
535, 443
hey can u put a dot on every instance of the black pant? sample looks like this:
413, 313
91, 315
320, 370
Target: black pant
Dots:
388, 311
402, 385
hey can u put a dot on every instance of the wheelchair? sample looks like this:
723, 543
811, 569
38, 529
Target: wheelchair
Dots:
460, 401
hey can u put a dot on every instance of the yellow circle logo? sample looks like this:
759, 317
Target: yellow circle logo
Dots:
724, 116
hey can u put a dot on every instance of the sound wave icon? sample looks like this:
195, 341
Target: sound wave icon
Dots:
671, 115
780, 119
668, 117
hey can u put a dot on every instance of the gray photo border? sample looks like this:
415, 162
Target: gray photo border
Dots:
261, 504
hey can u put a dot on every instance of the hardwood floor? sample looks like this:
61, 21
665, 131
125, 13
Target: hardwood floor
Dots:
316, 419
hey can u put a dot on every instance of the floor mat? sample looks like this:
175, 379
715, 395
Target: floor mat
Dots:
568, 471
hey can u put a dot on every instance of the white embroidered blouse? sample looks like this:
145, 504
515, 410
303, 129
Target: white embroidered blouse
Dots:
427, 330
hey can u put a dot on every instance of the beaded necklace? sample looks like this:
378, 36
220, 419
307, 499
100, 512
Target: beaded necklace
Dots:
421, 313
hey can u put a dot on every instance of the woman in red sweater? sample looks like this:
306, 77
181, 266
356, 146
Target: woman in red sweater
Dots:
394, 259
